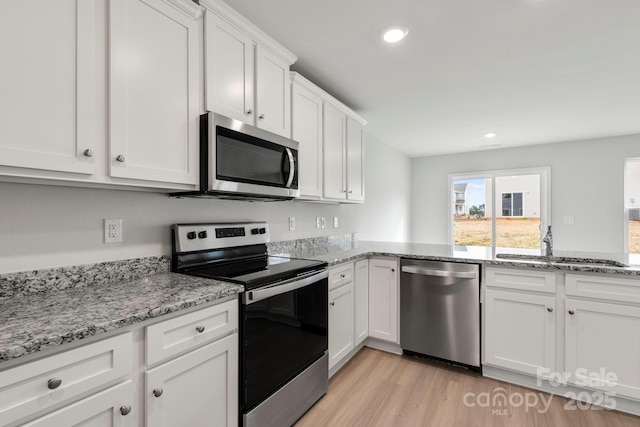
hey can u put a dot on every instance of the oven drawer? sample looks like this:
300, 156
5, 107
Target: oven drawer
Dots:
183, 333
340, 275
39, 385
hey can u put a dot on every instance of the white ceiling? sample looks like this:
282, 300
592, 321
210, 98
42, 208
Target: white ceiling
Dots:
533, 71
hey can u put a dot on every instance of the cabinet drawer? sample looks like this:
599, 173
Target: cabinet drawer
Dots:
107, 408
539, 281
174, 336
609, 288
25, 389
340, 275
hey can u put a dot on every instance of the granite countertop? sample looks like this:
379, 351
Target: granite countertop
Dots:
339, 252
34, 322
47, 308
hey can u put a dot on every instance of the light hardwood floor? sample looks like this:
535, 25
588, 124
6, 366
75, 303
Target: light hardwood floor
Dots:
381, 389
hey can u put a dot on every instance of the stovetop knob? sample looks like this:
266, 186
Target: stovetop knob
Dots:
191, 235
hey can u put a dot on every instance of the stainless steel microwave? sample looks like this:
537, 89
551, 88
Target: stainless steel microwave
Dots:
240, 161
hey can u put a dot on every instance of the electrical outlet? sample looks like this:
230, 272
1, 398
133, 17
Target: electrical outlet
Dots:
292, 223
318, 223
112, 230
323, 222
335, 222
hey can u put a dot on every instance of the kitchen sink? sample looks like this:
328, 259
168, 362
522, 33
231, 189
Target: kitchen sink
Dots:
558, 260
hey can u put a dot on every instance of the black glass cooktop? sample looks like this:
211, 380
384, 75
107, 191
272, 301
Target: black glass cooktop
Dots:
259, 271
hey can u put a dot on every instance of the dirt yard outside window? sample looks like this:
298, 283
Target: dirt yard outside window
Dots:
515, 233
510, 232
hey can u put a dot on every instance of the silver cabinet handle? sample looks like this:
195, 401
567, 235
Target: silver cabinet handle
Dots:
393, 270
157, 392
125, 409
120, 158
54, 383
550, 309
343, 276
200, 329
88, 152
571, 312
332, 303
440, 273
249, 112
261, 117
350, 191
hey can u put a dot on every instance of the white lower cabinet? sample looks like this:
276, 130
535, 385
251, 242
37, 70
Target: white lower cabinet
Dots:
196, 389
520, 331
383, 299
190, 374
603, 343
340, 323
361, 300
109, 408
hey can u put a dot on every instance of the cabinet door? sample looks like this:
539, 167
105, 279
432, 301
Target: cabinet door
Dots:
229, 71
383, 299
198, 388
273, 93
306, 128
520, 331
48, 101
361, 297
355, 161
334, 125
603, 338
154, 91
340, 323
109, 408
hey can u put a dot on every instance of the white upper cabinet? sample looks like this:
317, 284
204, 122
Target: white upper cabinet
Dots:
273, 96
229, 70
247, 72
334, 127
154, 90
306, 128
355, 160
48, 77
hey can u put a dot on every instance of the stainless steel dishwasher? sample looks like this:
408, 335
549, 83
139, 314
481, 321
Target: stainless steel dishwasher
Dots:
440, 310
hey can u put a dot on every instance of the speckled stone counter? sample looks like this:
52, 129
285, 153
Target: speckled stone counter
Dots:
40, 320
339, 252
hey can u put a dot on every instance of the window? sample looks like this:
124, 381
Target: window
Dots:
512, 204
632, 209
521, 205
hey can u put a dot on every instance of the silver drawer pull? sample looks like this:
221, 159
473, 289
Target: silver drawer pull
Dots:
54, 383
125, 409
550, 309
571, 312
200, 329
120, 158
88, 152
157, 392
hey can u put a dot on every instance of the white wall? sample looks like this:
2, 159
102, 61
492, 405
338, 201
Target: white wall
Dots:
43, 226
587, 182
385, 216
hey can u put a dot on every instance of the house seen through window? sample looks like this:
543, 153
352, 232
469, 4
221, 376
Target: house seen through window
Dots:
519, 199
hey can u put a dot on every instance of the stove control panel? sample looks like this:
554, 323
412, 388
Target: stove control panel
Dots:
198, 237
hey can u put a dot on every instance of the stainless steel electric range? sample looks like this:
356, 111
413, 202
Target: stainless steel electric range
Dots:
283, 316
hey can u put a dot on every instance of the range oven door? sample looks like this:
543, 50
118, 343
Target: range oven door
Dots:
284, 330
248, 160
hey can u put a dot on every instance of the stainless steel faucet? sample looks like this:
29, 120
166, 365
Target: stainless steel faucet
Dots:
548, 240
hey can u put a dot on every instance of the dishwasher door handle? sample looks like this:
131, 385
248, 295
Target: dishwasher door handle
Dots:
440, 273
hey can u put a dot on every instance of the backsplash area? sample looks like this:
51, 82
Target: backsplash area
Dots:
37, 281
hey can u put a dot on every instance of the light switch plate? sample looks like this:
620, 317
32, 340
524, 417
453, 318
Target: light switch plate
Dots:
292, 223
318, 223
335, 222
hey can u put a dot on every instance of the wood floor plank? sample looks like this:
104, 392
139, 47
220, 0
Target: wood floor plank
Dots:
378, 389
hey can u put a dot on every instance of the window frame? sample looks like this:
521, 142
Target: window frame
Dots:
631, 256
545, 198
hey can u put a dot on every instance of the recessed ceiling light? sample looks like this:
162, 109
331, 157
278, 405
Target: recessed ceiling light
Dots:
394, 34
490, 135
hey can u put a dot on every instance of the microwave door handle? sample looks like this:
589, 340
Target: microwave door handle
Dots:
291, 166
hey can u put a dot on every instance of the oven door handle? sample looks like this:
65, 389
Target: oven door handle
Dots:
256, 295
